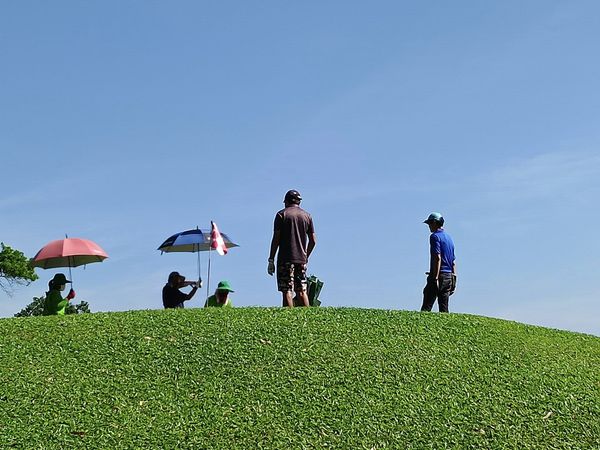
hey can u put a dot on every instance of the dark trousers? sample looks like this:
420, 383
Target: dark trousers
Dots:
439, 290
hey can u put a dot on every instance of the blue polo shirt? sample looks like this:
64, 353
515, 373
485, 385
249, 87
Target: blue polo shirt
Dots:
440, 243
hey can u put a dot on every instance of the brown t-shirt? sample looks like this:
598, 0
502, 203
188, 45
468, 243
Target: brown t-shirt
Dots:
294, 225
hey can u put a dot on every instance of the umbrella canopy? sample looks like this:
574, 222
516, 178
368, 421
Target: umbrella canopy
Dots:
192, 241
69, 252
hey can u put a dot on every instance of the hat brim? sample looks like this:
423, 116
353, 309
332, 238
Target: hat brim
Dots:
65, 281
225, 290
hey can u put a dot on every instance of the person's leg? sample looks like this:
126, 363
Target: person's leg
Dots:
445, 286
304, 297
300, 283
288, 299
285, 283
430, 292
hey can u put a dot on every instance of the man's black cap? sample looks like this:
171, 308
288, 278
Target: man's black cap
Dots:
292, 196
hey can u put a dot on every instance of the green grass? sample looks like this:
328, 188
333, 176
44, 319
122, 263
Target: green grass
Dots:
300, 378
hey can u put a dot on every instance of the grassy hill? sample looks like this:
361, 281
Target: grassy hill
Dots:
300, 378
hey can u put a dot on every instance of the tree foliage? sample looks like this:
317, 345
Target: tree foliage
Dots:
79, 308
36, 308
15, 269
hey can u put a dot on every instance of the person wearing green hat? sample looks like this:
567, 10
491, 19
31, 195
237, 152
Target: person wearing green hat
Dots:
54, 304
441, 278
220, 298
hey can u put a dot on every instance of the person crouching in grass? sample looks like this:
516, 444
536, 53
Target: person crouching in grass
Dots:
220, 298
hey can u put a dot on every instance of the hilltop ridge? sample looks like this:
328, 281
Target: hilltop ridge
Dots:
299, 378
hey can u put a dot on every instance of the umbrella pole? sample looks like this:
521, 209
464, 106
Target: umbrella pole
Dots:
69, 260
199, 266
70, 276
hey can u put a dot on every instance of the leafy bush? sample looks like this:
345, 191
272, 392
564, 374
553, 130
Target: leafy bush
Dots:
36, 308
295, 378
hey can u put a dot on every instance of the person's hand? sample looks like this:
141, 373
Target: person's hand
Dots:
271, 267
71, 294
433, 281
453, 285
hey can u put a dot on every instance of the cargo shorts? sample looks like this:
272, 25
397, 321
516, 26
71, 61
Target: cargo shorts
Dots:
291, 277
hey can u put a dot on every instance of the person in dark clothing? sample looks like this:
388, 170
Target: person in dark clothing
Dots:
441, 278
171, 295
293, 241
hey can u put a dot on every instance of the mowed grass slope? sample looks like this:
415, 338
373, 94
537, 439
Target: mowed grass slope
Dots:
299, 378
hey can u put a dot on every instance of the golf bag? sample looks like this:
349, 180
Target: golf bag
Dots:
313, 289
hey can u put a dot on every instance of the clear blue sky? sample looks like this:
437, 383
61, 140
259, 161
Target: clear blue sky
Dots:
127, 121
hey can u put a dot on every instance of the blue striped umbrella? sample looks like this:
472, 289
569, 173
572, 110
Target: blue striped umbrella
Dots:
193, 241
196, 240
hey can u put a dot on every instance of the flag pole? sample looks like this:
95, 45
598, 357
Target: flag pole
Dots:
197, 247
209, 252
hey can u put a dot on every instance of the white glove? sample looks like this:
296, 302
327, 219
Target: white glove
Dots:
271, 267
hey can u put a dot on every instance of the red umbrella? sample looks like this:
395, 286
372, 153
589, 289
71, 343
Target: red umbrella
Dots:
68, 252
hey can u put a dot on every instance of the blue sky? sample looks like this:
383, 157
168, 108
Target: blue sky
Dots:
125, 122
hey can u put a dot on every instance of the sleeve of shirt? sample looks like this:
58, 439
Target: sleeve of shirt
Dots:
435, 247
311, 227
278, 222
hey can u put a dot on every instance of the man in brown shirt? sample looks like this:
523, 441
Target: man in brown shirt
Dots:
291, 229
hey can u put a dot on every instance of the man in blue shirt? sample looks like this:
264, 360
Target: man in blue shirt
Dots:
441, 278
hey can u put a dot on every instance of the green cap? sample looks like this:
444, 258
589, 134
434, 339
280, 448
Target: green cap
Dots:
434, 217
224, 286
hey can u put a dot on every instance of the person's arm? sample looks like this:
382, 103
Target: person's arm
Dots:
272, 251
435, 265
274, 244
312, 241
435, 261
453, 284
275, 241
192, 292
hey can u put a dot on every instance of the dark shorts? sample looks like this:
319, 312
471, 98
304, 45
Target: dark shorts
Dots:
291, 277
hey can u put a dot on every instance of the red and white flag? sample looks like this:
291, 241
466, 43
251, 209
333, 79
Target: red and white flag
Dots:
216, 240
